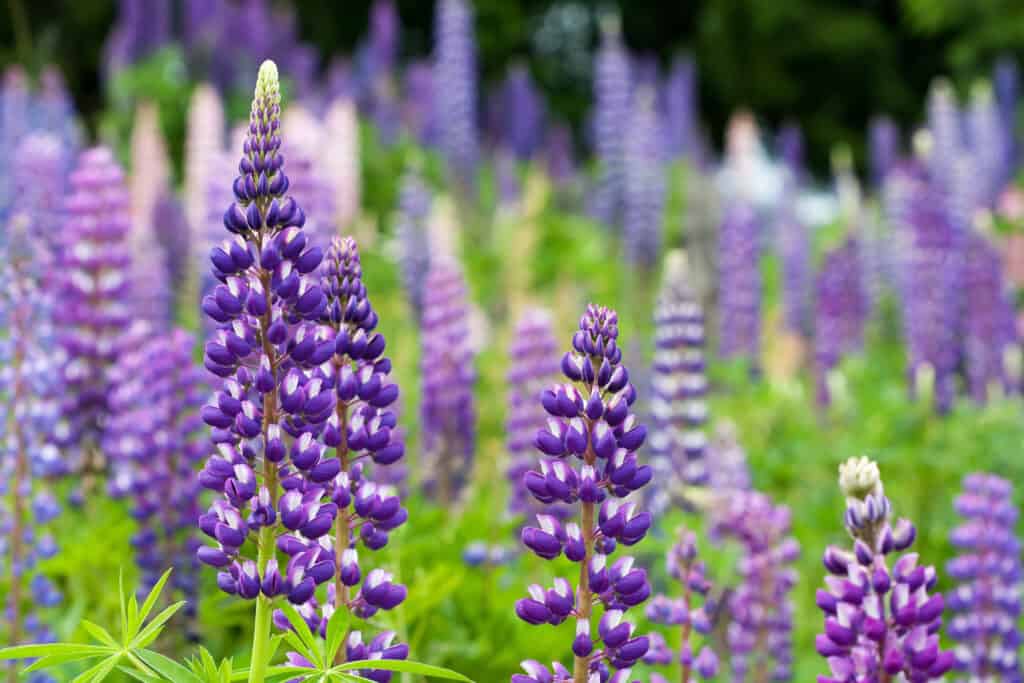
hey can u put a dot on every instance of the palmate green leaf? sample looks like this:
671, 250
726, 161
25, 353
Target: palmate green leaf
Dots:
302, 638
99, 671
99, 633
337, 627
123, 606
403, 666
52, 649
153, 628
150, 602
167, 667
139, 675
55, 660
275, 673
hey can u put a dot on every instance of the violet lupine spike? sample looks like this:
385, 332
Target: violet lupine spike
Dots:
794, 241
881, 622
361, 430
612, 94
840, 311
560, 157
989, 328
680, 114
986, 602
142, 27
589, 456
267, 306
39, 181
455, 89
173, 236
739, 304
15, 103
645, 184
883, 147
382, 48
945, 124
56, 110
1006, 84
447, 410
986, 145
679, 411
533, 366
312, 192
690, 611
414, 202
522, 113
419, 114
760, 634
155, 437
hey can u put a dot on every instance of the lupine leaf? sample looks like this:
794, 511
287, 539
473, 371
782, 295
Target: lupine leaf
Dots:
153, 628
167, 667
154, 595
337, 627
53, 660
123, 605
98, 672
404, 667
99, 633
49, 649
134, 622
304, 641
139, 675
277, 672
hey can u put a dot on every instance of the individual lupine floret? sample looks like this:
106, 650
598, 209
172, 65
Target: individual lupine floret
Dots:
689, 611
533, 366
644, 190
679, 411
739, 303
267, 306
881, 623
455, 82
989, 320
760, 633
414, 204
155, 440
840, 310
987, 602
447, 410
589, 448
612, 92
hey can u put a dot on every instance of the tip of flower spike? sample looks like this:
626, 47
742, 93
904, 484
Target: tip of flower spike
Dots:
268, 82
859, 478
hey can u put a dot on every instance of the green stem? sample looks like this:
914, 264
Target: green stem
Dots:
264, 612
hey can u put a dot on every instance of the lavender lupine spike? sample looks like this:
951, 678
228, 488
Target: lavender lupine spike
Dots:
522, 113
414, 203
881, 623
204, 144
267, 306
142, 27
739, 306
679, 411
679, 101
448, 414
173, 236
986, 603
560, 158
155, 435
989, 327
14, 121
455, 94
946, 128
644, 190
56, 111
840, 311
39, 180
419, 115
884, 147
760, 634
590, 427
341, 164
794, 242
533, 366
987, 144
1006, 84
612, 93
689, 611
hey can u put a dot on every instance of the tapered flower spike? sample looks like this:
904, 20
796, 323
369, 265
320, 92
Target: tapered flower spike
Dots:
521, 114
589, 456
341, 164
411, 231
881, 622
840, 311
986, 602
682, 124
612, 89
644, 190
739, 304
1006, 85
990, 334
794, 241
884, 147
204, 143
39, 181
455, 82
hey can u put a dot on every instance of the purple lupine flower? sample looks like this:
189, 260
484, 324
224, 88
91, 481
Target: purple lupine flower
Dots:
447, 411
560, 158
728, 469
680, 112
173, 236
644, 189
419, 115
986, 603
266, 345
38, 181
612, 93
382, 48
155, 439
312, 192
522, 113
760, 634
840, 311
93, 288
739, 303
989, 328
204, 147
794, 242
533, 366
414, 202
455, 88
589, 455
945, 124
55, 110
15, 103
1006, 84
142, 27
881, 623
679, 411
690, 612
986, 145
883, 146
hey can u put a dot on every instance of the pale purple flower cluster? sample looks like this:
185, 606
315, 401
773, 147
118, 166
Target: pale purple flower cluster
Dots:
794, 240
520, 114
680, 110
883, 146
644, 189
612, 94
589, 449
986, 602
881, 622
989, 319
414, 203
455, 89
840, 311
739, 259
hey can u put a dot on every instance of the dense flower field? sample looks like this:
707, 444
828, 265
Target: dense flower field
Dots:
392, 380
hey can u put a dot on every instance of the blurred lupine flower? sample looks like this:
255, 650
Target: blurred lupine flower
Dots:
341, 161
142, 27
987, 145
455, 89
678, 388
39, 180
680, 116
840, 312
94, 290
414, 203
218, 194
561, 160
14, 122
1006, 84
384, 36
204, 145
880, 622
533, 366
267, 306
612, 93
760, 633
506, 173
945, 125
419, 115
447, 411
739, 297
521, 113
989, 319
154, 437
590, 422
644, 189
728, 469
55, 110
311, 191
479, 554
986, 603
689, 611
794, 242
883, 146
173, 236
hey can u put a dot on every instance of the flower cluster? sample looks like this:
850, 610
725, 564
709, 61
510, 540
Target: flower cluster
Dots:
793, 237
612, 93
448, 414
414, 202
986, 603
739, 256
589, 446
455, 79
989, 319
880, 622
686, 612
840, 311
682, 123
644, 188
884, 147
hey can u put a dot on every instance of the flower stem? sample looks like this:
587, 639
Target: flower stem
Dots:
342, 532
584, 598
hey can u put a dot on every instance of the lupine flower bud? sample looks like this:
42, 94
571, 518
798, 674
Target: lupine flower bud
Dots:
644, 190
612, 90
877, 618
448, 416
739, 257
455, 82
840, 311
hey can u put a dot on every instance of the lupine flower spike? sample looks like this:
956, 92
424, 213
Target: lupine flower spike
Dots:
589, 457
881, 622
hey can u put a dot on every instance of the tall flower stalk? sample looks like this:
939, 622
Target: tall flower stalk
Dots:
590, 427
739, 306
